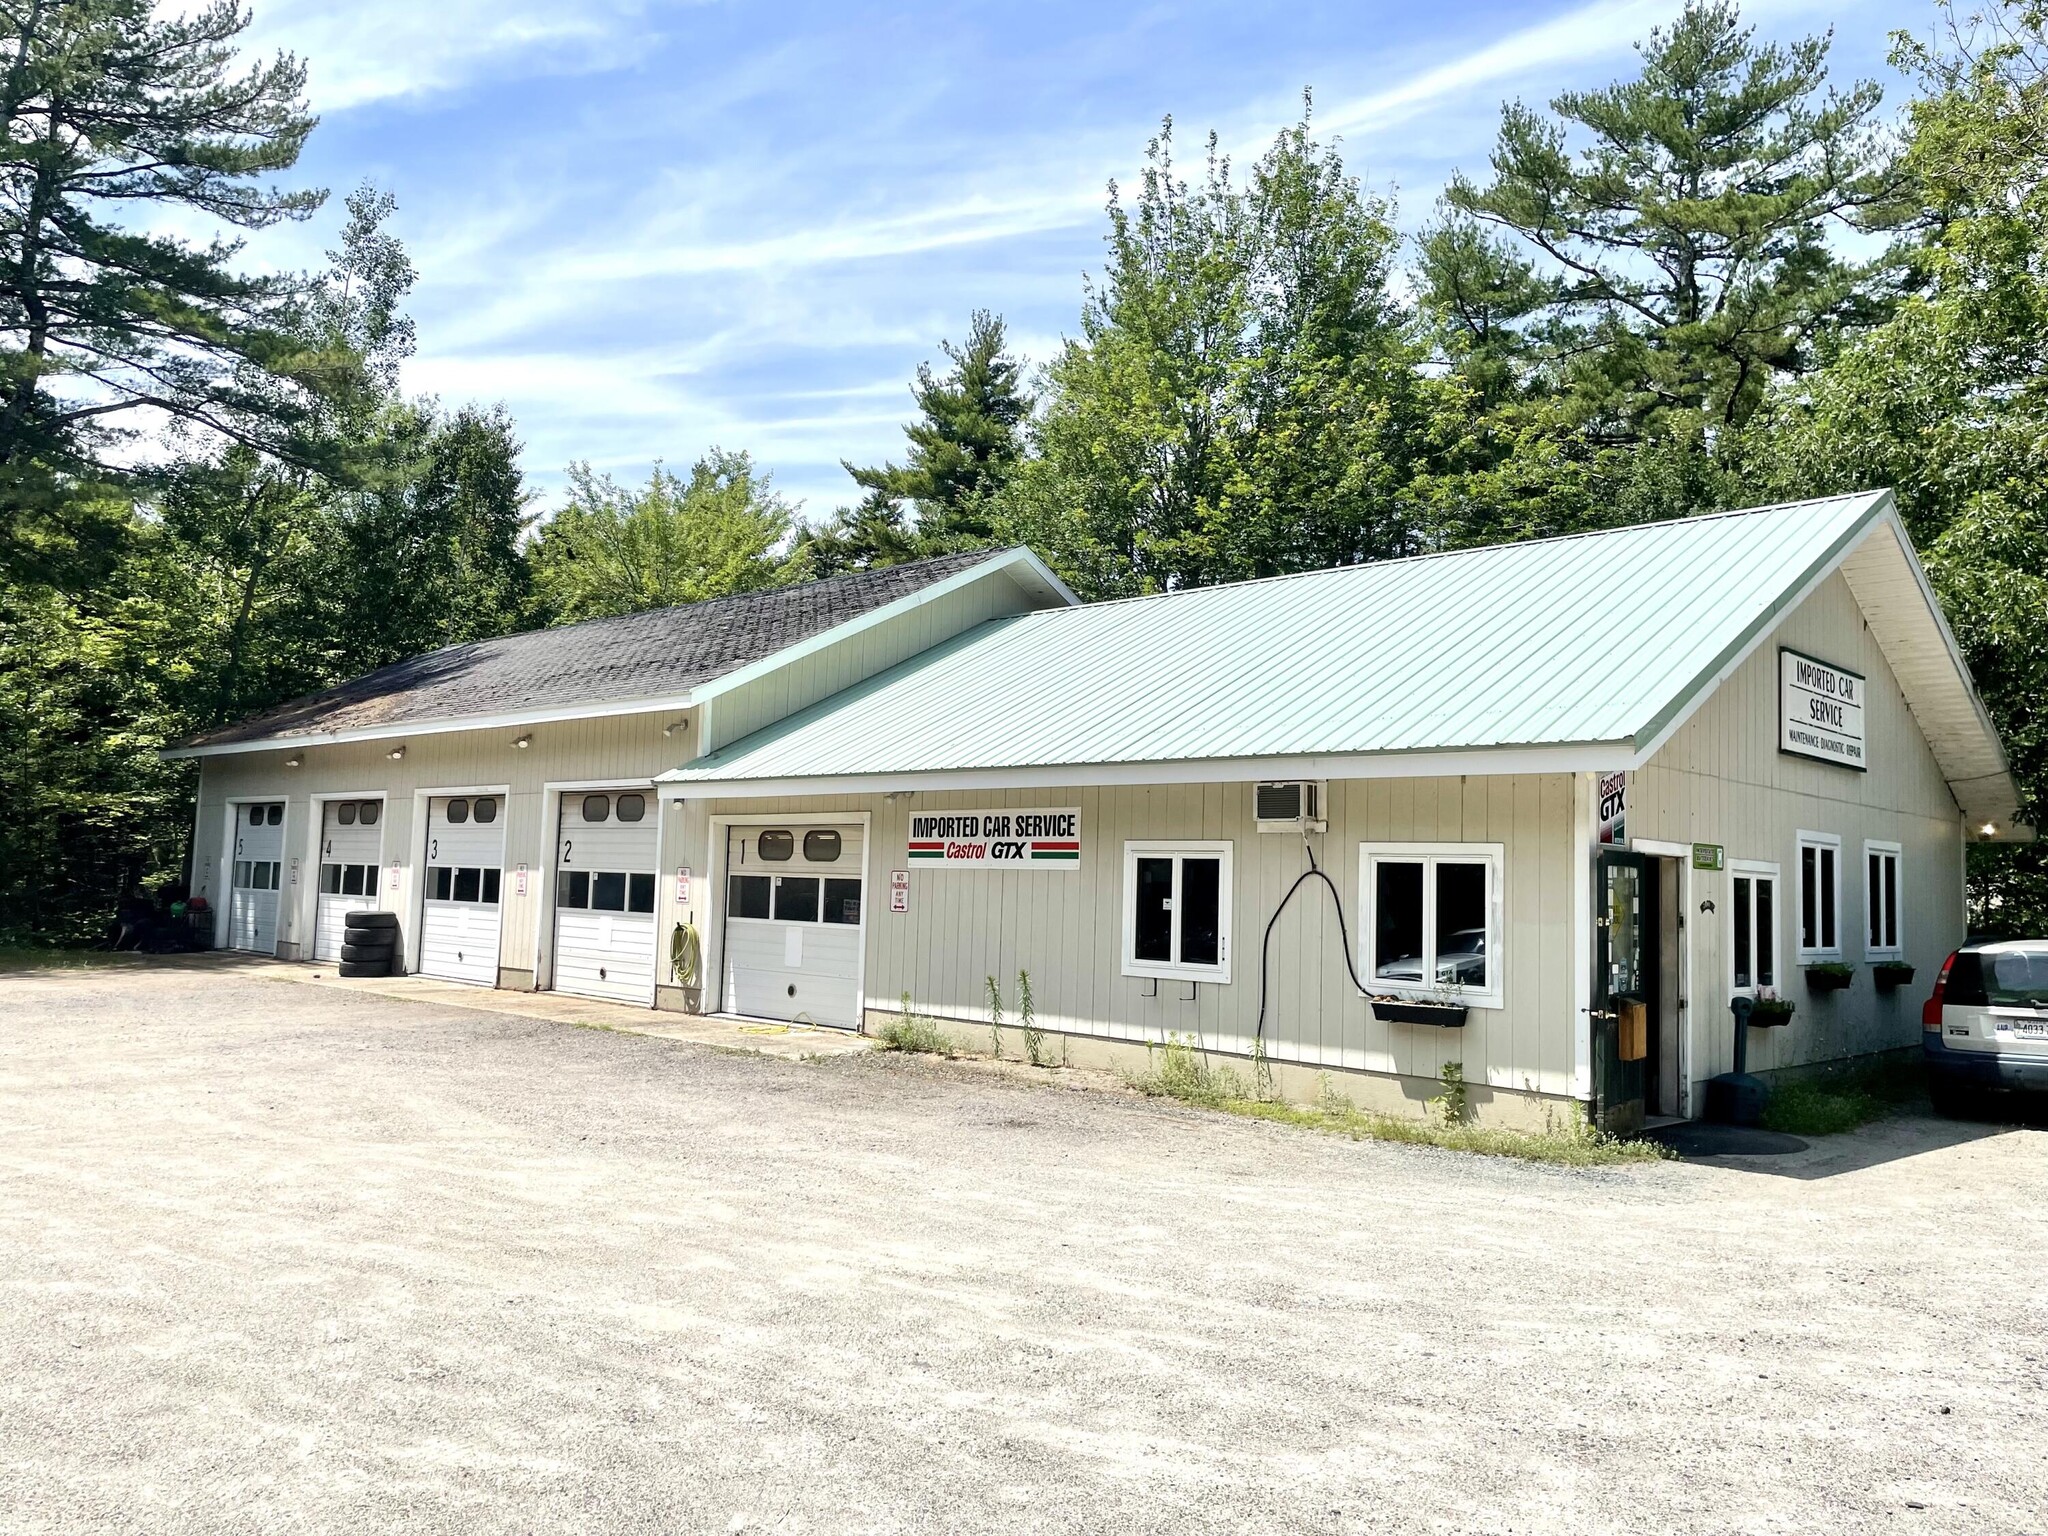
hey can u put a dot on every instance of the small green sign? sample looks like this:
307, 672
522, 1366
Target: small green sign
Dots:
1706, 855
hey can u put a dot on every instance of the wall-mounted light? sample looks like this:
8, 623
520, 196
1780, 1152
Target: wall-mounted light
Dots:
1989, 829
395, 753
894, 795
523, 742
675, 725
295, 761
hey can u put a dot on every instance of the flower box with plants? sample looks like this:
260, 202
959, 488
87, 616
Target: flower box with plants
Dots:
1441, 1012
1892, 974
1830, 976
1769, 1010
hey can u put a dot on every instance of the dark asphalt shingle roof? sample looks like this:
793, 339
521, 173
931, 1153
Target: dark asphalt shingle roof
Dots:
658, 654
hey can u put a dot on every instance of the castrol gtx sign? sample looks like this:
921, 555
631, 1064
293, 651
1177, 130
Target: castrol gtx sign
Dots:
1003, 839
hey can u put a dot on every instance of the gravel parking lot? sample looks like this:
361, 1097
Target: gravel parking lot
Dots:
279, 1259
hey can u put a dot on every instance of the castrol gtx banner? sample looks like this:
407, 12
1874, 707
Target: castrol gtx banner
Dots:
1003, 839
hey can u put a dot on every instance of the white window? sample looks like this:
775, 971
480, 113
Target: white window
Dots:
1820, 896
1881, 939
1433, 919
1753, 927
1177, 910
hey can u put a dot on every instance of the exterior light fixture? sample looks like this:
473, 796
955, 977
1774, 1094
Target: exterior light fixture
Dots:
1989, 829
674, 726
295, 761
523, 742
395, 753
894, 795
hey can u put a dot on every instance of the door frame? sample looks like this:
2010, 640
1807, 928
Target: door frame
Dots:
410, 954
229, 823
714, 903
317, 819
552, 794
1682, 1004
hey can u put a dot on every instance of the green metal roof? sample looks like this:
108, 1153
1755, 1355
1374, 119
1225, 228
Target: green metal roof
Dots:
1601, 638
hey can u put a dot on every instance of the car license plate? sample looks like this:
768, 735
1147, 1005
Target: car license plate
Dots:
2030, 1029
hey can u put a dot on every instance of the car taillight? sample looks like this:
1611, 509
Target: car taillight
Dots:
1930, 1011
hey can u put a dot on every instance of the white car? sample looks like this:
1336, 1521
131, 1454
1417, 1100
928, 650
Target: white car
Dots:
1986, 1026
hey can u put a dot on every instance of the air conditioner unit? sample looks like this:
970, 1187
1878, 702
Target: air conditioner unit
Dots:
1290, 805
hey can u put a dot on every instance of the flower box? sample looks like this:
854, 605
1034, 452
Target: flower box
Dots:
1769, 1013
1398, 1010
1831, 977
1892, 974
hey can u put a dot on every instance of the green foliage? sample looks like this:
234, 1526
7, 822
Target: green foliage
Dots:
1180, 1069
114, 106
911, 1031
1682, 219
611, 551
1831, 1103
995, 1019
966, 440
1027, 1020
1453, 1105
1245, 398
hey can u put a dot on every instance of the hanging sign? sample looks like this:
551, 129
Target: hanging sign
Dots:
1614, 809
996, 839
1707, 856
1820, 711
899, 890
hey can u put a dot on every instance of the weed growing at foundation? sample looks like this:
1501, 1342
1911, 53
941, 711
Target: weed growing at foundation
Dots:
912, 1031
1830, 1105
995, 1019
1452, 1106
1183, 1072
1027, 1017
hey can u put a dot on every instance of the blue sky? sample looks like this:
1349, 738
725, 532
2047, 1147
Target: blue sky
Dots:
646, 228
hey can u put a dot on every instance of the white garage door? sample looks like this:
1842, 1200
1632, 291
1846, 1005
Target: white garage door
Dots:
252, 902
793, 909
459, 910
351, 848
604, 895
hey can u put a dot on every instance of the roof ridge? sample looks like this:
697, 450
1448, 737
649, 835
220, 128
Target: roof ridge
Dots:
1479, 549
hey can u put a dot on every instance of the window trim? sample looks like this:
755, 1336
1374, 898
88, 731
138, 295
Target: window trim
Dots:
1897, 854
1495, 857
1757, 869
1178, 848
1822, 954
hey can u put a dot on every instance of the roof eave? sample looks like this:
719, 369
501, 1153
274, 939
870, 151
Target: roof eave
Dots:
1549, 757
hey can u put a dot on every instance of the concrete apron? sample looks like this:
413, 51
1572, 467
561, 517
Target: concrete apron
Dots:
792, 1042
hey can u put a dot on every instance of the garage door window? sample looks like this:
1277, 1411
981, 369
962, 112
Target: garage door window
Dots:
1177, 910
842, 902
796, 899
777, 847
256, 874
604, 890
450, 883
486, 810
370, 811
821, 847
750, 895
632, 807
345, 813
348, 879
458, 812
596, 807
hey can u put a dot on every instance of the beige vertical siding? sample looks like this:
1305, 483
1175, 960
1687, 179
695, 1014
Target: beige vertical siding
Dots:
1721, 779
1065, 927
619, 748
875, 647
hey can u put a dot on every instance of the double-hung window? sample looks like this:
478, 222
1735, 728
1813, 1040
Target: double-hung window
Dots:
1433, 919
1881, 940
1753, 927
1820, 896
1177, 910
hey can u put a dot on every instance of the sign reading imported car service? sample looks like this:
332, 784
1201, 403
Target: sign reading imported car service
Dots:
1820, 711
1000, 839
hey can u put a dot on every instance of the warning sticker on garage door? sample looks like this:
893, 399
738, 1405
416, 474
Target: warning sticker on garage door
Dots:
998, 839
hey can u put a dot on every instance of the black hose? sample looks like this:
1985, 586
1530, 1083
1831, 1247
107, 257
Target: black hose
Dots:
1314, 871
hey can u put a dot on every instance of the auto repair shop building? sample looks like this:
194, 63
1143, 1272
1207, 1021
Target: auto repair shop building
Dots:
1540, 809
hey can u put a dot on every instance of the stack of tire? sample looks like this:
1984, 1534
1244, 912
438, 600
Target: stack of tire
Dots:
369, 944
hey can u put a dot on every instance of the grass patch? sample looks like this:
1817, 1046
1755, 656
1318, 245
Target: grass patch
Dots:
1182, 1072
22, 958
1841, 1101
913, 1031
